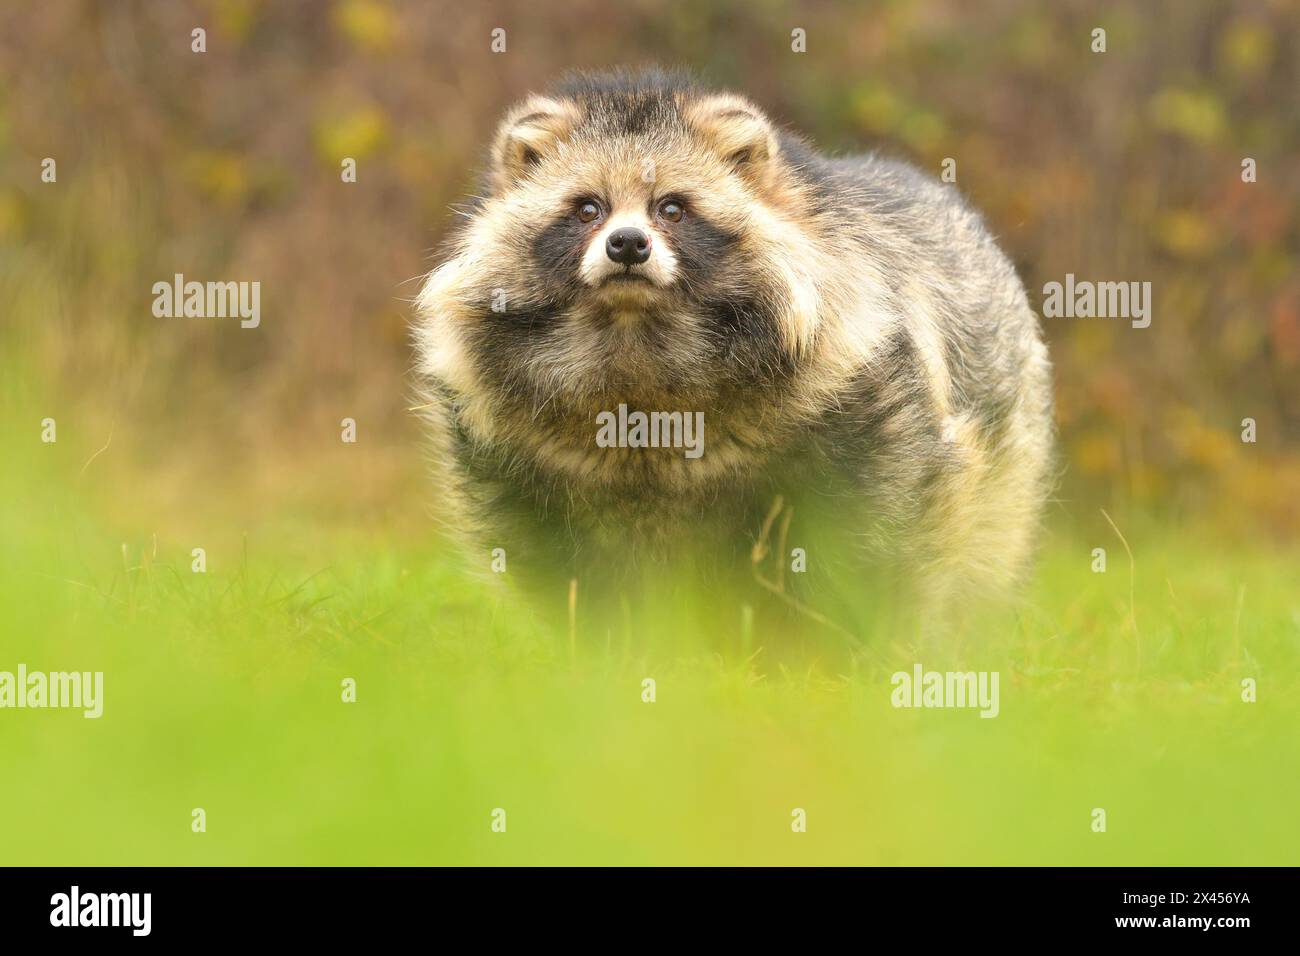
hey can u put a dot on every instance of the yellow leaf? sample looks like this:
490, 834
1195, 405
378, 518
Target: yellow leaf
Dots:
1186, 233
356, 134
367, 23
1247, 48
1196, 115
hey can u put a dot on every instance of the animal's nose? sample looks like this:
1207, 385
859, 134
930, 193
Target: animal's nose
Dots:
629, 246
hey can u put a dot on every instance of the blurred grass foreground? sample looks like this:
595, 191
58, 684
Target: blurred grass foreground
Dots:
350, 699
328, 683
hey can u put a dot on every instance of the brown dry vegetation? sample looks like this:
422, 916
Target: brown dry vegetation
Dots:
225, 165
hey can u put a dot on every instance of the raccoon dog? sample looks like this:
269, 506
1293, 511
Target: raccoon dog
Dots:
672, 333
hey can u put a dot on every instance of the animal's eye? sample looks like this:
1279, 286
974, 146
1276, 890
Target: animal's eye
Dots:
588, 210
671, 210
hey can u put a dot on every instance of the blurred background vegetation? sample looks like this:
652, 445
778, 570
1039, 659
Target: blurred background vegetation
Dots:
225, 165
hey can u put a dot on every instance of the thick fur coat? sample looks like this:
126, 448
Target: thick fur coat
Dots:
872, 379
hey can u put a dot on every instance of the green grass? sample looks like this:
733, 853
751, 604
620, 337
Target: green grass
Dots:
223, 691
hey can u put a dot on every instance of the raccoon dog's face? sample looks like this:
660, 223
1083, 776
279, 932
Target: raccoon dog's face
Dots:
637, 239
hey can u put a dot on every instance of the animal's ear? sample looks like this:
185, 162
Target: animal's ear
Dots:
737, 131
529, 132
